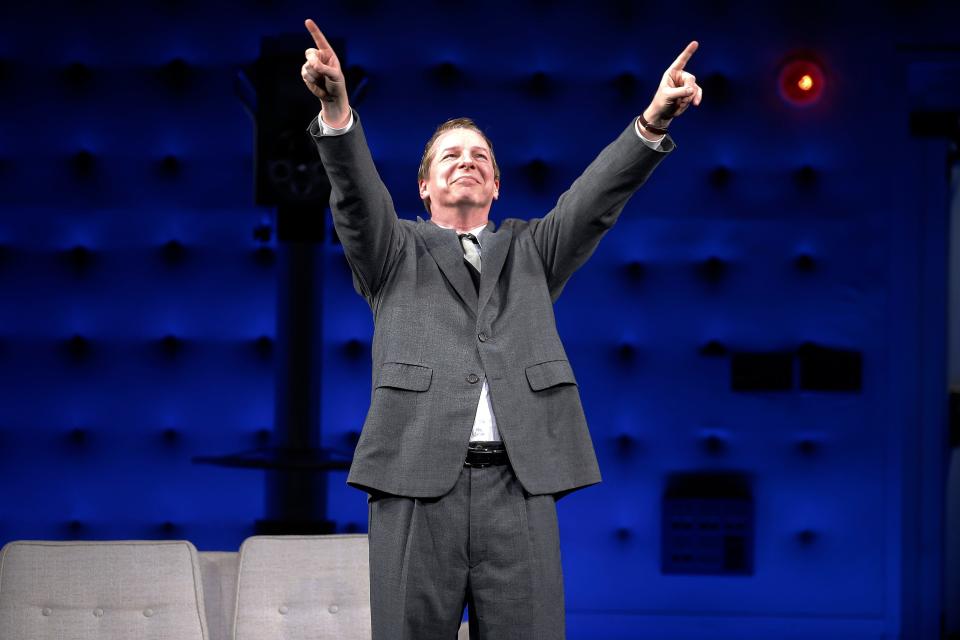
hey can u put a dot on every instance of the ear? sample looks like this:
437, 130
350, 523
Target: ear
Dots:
422, 184
496, 189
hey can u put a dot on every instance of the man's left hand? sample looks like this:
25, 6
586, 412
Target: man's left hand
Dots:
678, 89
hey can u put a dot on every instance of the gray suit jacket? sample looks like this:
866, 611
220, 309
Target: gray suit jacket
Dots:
435, 339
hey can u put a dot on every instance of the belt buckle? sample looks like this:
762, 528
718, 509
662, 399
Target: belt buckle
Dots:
479, 464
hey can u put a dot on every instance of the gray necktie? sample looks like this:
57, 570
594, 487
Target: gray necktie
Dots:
471, 254
471, 249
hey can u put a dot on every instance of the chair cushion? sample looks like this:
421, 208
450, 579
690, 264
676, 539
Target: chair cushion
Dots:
219, 572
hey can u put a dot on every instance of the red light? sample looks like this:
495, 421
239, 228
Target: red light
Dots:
801, 82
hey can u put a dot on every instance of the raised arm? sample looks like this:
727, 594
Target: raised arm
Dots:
363, 212
568, 235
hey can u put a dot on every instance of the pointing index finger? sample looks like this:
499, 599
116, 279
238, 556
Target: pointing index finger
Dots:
685, 55
318, 38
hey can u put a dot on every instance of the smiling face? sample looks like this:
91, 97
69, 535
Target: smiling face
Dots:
459, 173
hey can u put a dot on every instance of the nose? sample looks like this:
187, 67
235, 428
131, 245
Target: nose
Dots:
466, 160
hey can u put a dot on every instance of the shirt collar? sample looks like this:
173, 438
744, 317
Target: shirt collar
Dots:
475, 231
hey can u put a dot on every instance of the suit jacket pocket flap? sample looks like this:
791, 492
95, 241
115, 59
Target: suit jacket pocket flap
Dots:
400, 375
550, 374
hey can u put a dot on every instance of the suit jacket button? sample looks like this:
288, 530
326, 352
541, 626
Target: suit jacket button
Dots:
473, 378
483, 336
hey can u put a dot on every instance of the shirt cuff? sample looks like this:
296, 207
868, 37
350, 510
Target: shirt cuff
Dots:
327, 130
653, 144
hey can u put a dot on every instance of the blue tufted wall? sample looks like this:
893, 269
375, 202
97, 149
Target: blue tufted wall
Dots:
137, 317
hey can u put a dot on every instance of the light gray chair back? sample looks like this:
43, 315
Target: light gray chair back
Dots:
118, 590
303, 588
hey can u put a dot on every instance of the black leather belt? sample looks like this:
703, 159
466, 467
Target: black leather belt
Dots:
485, 454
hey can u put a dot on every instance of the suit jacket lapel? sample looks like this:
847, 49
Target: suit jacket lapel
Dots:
446, 250
494, 249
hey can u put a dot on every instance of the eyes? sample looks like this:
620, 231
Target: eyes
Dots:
448, 155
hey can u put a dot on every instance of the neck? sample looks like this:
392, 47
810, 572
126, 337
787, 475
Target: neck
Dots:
459, 219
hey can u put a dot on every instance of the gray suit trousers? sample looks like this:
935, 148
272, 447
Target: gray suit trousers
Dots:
487, 545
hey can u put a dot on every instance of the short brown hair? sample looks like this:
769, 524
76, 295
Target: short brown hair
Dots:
454, 123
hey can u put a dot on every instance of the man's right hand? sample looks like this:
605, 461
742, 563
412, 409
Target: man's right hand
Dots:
324, 78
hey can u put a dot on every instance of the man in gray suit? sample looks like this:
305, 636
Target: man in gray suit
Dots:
475, 426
